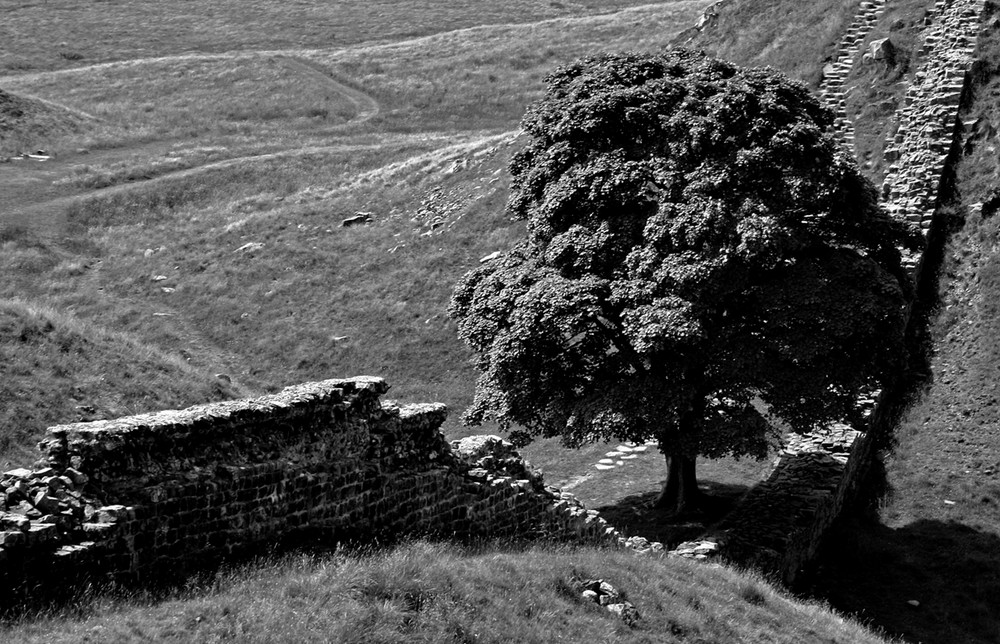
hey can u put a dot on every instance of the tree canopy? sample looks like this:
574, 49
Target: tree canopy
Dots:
699, 248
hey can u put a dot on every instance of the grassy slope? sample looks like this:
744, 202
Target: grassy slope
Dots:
435, 593
793, 36
56, 369
280, 315
59, 34
26, 124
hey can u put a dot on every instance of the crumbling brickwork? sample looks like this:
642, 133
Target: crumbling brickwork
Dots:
159, 494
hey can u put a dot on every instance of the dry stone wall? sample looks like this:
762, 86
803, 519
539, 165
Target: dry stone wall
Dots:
156, 495
927, 125
781, 522
832, 85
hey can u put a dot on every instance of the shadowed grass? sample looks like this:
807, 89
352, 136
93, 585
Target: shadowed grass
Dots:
424, 592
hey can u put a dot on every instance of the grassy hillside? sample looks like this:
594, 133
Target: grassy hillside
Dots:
27, 124
58, 33
436, 593
795, 37
242, 222
56, 369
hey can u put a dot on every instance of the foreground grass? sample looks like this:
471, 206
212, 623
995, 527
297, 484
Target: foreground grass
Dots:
424, 592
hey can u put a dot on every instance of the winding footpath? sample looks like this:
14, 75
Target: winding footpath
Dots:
32, 204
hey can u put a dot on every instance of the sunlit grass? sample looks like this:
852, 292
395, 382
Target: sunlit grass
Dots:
56, 368
58, 33
185, 98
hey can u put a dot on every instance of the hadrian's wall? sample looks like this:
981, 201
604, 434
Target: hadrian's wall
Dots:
146, 496
781, 522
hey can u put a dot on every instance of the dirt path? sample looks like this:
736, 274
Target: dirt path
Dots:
32, 198
48, 218
366, 107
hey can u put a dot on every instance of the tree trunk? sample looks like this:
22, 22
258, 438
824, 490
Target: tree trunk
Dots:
680, 491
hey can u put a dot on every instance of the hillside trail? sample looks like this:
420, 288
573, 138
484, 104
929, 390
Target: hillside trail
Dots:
35, 194
366, 107
49, 218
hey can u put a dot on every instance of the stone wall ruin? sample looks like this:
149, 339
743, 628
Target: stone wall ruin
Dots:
153, 496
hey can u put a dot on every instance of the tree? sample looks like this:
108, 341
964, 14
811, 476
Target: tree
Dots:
702, 260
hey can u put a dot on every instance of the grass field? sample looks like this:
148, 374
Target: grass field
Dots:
59, 33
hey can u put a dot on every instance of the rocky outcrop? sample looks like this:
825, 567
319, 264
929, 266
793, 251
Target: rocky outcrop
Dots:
604, 594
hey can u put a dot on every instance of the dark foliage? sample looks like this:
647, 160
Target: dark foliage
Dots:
702, 258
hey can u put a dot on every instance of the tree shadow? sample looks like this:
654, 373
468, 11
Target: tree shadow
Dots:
951, 571
634, 515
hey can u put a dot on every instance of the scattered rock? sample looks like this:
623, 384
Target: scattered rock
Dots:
883, 50
604, 594
358, 219
249, 247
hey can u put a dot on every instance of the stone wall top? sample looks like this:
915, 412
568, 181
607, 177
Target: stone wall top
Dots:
197, 436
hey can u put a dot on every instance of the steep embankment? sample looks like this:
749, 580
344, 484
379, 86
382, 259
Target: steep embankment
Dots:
929, 571
793, 36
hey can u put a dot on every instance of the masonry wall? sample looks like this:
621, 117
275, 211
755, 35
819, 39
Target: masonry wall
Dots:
781, 522
156, 495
